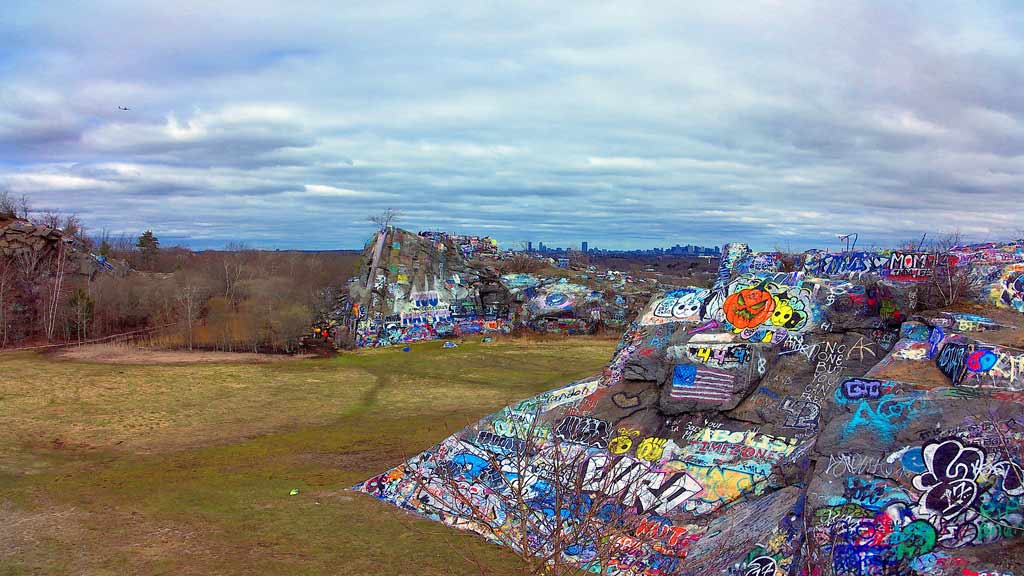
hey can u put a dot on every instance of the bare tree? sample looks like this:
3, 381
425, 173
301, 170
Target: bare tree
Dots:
6, 281
26, 268
14, 206
50, 218
123, 246
82, 307
75, 230
952, 279
386, 218
191, 294
52, 307
8, 205
578, 259
234, 262
520, 262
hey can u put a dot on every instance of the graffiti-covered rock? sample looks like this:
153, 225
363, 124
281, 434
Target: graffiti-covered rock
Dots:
757, 427
411, 288
427, 286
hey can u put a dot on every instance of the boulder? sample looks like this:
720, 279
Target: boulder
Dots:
750, 429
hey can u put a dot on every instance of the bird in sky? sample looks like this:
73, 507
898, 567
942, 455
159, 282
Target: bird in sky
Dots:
123, 108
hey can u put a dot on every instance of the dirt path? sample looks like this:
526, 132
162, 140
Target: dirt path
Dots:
119, 354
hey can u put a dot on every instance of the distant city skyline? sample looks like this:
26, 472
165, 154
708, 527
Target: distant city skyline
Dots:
677, 249
520, 244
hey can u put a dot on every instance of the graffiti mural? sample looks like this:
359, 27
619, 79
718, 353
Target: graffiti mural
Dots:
927, 507
824, 264
418, 287
1008, 291
763, 309
683, 305
765, 426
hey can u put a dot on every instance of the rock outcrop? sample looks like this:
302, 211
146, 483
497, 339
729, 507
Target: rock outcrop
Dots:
777, 423
36, 259
34, 245
412, 288
415, 287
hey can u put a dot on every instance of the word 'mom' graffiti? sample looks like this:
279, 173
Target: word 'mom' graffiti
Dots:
911, 266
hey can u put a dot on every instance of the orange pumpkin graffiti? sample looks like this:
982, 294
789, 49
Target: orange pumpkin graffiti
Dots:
748, 308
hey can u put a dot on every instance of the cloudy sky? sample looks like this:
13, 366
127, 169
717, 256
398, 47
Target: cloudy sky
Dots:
627, 124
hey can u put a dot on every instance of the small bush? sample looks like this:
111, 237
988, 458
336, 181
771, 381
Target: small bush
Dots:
520, 264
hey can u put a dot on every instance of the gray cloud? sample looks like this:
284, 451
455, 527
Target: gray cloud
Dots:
776, 123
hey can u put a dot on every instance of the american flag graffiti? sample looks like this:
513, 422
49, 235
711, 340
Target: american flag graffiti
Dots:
701, 383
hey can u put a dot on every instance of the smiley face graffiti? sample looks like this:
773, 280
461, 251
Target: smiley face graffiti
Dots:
785, 315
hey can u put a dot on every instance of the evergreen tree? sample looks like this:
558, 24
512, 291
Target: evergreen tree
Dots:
149, 247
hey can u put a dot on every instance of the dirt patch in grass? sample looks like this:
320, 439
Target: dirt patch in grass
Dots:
60, 407
61, 539
356, 460
118, 354
24, 531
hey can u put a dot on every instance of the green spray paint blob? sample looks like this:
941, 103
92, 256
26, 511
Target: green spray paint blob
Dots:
914, 539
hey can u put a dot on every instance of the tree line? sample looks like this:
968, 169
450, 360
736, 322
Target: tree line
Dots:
233, 299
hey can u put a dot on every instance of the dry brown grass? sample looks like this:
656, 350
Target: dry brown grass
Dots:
110, 468
131, 354
138, 407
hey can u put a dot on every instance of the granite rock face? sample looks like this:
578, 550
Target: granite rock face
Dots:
23, 239
32, 257
772, 424
34, 246
415, 287
412, 288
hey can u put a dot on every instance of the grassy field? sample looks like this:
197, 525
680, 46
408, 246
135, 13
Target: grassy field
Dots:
109, 468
